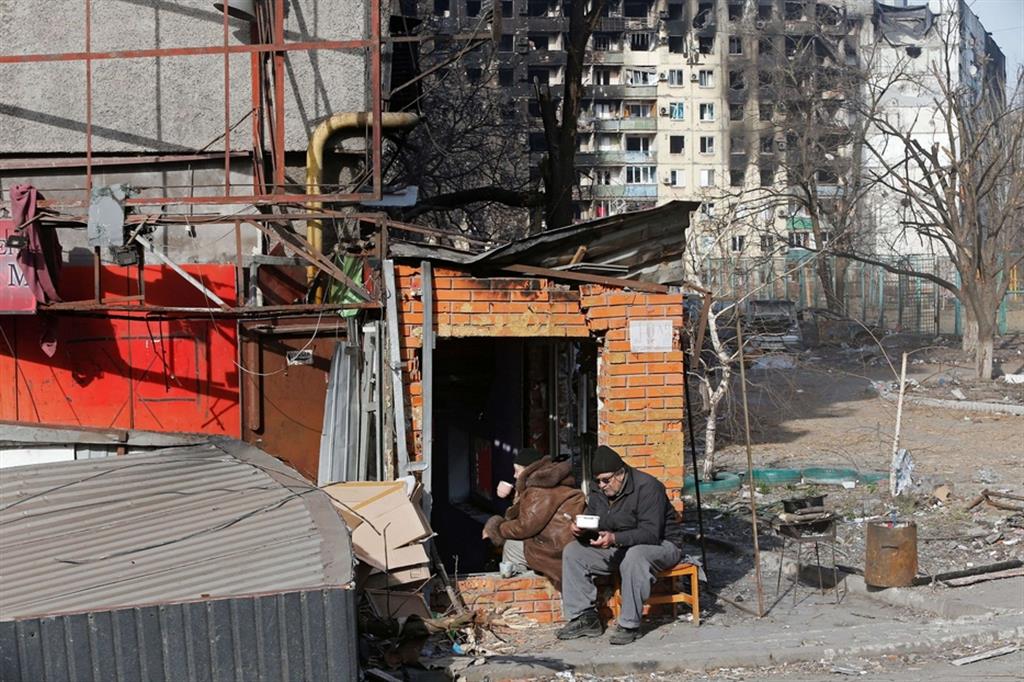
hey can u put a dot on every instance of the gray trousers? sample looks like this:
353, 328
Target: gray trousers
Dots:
636, 565
514, 553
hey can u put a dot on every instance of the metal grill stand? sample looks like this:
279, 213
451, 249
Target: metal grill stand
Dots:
815, 532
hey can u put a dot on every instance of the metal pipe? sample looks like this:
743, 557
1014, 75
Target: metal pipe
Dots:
279, 45
315, 156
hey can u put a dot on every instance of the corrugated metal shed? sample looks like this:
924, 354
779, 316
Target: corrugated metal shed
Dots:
215, 520
307, 635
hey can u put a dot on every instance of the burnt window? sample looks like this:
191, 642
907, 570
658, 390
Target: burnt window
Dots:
736, 80
506, 9
675, 12
676, 144
735, 11
676, 45
767, 144
539, 42
764, 12
767, 177
474, 74
472, 8
505, 44
539, 75
736, 112
765, 79
442, 7
706, 44
705, 15
534, 108
640, 42
505, 76
794, 11
735, 45
636, 8
765, 46
537, 142
765, 111
737, 144
736, 178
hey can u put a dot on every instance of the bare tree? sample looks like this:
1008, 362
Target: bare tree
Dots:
561, 117
954, 171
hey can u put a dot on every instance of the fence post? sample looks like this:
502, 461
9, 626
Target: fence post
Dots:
863, 295
936, 299
881, 298
956, 310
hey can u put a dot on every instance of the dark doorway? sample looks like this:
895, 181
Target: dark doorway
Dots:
491, 398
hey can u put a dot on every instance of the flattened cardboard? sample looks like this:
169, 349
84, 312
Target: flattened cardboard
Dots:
406, 576
395, 604
360, 499
369, 547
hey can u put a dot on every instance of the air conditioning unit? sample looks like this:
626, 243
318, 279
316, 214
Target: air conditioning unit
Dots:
663, 111
760, 23
782, 213
781, 145
662, 76
666, 179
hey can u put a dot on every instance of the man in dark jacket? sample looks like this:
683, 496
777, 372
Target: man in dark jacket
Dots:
546, 500
638, 534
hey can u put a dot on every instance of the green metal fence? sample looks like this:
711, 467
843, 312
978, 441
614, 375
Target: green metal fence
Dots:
869, 293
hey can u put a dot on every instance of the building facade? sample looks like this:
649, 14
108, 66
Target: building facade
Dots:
698, 99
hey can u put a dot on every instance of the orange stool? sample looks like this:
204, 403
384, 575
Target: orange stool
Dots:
675, 598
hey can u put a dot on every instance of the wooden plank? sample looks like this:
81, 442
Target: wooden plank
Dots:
998, 575
565, 275
984, 655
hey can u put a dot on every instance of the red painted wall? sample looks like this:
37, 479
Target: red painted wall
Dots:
142, 373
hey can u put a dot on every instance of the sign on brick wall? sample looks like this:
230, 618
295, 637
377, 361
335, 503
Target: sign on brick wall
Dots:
650, 336
15, 294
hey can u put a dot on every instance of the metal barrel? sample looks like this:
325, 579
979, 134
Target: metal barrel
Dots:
890, 558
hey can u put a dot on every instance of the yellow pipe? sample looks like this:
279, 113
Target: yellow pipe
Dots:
359, 120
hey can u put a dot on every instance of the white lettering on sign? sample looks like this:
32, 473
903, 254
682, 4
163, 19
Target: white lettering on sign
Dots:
15, 294
650, 336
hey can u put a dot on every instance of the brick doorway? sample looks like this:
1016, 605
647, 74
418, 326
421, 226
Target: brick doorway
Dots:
493, 396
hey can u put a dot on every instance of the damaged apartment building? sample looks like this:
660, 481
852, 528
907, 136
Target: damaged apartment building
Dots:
695, 99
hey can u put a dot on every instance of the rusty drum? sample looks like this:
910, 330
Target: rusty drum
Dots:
890, 558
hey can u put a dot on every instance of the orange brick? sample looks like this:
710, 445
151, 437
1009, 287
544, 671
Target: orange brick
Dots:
469, 283
656, 380
529, 295
491, 295
633, 392
532, 595
625, 439
454, 295
526, 607
665, 368
543, 617
664, 391
540, 606
515, 584
477, 584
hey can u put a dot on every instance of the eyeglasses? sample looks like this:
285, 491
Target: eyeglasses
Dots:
605, 480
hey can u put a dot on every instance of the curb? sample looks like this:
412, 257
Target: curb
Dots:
962, 405
943, 636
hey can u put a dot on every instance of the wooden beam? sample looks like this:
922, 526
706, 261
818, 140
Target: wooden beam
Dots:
566, 275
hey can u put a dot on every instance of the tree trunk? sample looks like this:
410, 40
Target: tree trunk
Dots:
842, 266
983, 356
969, 337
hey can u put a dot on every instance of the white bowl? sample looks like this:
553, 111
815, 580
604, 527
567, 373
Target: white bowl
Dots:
587, 522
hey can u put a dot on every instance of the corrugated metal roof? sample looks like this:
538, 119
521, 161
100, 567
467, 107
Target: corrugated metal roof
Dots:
205, 521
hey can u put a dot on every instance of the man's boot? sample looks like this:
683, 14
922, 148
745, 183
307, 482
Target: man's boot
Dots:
621, 635
585, 625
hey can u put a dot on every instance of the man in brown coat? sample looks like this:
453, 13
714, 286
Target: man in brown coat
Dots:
547, 501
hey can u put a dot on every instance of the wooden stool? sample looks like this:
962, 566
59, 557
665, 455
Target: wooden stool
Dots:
675, 598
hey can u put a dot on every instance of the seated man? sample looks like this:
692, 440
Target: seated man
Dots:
536, 527
639, 533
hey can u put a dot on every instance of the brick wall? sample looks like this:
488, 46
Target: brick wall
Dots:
532, 596
640, 395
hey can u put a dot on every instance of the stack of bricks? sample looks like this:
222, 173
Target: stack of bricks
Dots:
640, 395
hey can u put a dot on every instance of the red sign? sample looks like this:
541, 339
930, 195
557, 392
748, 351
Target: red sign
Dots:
15, 294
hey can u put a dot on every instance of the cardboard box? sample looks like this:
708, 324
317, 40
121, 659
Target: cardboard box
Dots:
405, 576
369, 547
398, 604
362, 499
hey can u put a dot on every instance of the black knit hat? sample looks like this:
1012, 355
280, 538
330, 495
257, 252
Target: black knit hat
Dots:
527, 456
606, 461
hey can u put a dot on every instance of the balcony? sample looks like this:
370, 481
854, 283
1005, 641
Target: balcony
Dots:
546, 58
610, 58
620, 158
620, 91
625, 191
625, 125
556, 24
